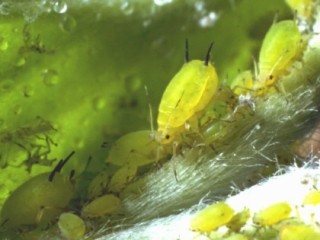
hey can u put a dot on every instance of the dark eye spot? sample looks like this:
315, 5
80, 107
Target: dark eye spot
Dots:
167, 137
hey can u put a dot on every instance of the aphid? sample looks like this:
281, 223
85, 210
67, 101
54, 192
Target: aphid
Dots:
299, 232
212, 217
101, 206
272, 214
239, 220
236, 236
281, 46
243, 83
98, 185
71, 226
312, 198
39, 200
303, 8
121, 178
188, 94
135, 149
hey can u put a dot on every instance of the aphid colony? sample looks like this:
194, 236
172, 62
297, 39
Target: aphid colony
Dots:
189, 115
276, 221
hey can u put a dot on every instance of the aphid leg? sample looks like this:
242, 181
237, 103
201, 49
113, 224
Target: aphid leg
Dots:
174, 151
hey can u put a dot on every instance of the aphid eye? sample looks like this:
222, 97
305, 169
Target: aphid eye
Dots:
167, 137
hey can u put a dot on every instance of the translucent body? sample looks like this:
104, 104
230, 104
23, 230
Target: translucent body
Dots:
239, 220
281, 45
71, 226
272, 214
212, 217
135, 149
37, 201
188, 93
299, 232
122, 178
101, 206
312, 198
304, 8
243, 83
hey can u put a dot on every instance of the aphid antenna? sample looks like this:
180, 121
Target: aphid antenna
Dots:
186, 53
55, 170
207, 58
150, 110
255, 67
65, 161
59, 166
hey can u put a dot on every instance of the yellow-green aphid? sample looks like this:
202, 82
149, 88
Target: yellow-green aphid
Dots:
38, 200
98, 185
239, 220
303, 8
101, 206
236, 236
135, 148
299, 232
187, 94
122, 178
212, 217
243, 83
272, 214
312, 198
281, 46
71, 226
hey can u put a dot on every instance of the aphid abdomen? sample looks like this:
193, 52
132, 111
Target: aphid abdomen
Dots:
281, 45
189, 92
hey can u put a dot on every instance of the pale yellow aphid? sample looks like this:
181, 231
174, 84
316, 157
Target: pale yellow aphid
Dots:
281, 46
312, 198
236, 236
212, 217
272, 214
71, 226
239, 220
304, 8
188, 93
243, 83
121, 178
299, 232
135, 149
101, 206
98, 185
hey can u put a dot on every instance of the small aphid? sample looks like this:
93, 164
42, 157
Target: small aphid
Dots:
303, 8
239, 220
71, 226
299, 232
39, 200
236, 236
102, 206
135, 149
98, 185
212, 217
281, 46
188, 94
121, 178
312, 198
272, 214
243, 83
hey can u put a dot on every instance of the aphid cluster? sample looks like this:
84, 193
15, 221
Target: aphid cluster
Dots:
195, 110
276, 221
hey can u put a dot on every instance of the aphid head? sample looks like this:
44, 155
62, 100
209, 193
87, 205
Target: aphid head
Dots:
164, 137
